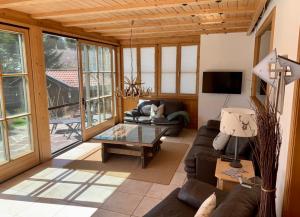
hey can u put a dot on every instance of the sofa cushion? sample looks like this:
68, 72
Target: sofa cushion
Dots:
171, 206
172, 106
195, 192
213, 125
240, 202
244, 147
204, 131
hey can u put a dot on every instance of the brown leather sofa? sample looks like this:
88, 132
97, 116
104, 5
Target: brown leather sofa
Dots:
140, 116
184, 202
200, 162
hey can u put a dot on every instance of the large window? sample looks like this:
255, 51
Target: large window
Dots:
168, 69
97, 80
15, 115
176, 72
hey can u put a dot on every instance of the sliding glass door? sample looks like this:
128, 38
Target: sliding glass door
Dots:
62, 75
97, 72
18, 143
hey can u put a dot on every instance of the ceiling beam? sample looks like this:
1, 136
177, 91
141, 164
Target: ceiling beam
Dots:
175, 29
259, 9
180, 33
142, 5
16, 3
160, 16
178, 23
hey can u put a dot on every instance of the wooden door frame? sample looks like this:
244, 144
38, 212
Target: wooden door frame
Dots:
291, 192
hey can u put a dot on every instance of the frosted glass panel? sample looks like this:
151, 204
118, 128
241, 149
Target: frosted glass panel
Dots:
189, 58
188, 69
148, 67
168, 69
130, 64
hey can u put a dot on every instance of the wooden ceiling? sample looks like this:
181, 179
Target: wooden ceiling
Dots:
145, 18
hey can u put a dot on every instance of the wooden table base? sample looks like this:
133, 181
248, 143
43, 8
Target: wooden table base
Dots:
145, 153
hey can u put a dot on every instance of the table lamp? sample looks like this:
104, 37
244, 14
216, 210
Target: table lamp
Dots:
238, 122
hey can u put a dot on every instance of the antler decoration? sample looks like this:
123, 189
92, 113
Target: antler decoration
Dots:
132, 87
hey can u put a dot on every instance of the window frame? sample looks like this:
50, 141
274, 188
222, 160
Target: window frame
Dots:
31, 155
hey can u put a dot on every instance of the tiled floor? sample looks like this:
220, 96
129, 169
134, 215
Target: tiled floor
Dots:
50, 190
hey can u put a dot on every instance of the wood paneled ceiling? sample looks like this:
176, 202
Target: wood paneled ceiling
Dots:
145, 18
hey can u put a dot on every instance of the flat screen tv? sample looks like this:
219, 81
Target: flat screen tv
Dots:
222, 82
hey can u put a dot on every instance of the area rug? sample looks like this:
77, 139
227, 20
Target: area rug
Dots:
160, 169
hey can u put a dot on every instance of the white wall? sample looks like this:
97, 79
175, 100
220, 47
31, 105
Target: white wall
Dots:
225, 52
286, 35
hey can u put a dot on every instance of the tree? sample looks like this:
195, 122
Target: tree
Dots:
51, 52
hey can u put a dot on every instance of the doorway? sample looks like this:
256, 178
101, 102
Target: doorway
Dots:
61, 66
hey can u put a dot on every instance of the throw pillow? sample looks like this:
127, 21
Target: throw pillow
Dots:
220, 141
157, 112
207, 207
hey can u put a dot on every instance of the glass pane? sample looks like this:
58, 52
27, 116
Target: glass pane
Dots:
2, 147
19, 134
93, 113
15, 92
11, 52
94, 84
107, 84
168, 69
60, 53
84, 58
108, 107
188, 69
188, 83
148, 67
104, 58
92, 56
130, 62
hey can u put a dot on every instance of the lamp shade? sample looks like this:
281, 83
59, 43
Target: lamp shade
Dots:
238, 122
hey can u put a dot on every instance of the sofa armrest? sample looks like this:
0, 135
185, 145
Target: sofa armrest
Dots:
195, 192
206, 161
132, 113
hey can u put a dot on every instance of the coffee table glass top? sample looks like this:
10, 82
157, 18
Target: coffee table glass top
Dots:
132, 133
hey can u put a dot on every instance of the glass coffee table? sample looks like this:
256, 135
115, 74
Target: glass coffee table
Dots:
130, 139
